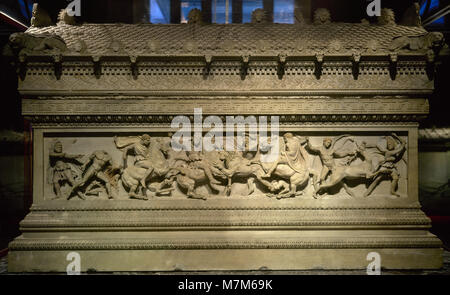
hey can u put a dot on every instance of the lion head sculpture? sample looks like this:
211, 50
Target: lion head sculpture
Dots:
195, 16
258, 16
322, 16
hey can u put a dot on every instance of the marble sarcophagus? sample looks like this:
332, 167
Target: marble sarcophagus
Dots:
106, 102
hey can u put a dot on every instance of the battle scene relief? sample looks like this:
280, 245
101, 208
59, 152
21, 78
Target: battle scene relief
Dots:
145, 167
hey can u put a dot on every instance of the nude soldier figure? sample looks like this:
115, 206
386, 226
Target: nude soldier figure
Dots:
140, 148
393, 153
327, 153
97, 162
61, 169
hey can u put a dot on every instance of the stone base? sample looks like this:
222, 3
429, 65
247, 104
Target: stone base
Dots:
224, 260
202, 236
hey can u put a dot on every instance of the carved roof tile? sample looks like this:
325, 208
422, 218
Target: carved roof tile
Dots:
234, 39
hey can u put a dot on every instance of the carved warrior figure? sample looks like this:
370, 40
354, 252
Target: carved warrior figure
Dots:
393, 153
364, 170
149, 161
197, 160
291, 165
244, 165
101, 169
322, 16
139, 146
280, 187
198, 169
62, 168
327, 153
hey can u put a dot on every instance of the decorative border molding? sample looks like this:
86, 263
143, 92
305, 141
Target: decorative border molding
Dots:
244, 205
170, 244
347, 119
220, 218
309, 108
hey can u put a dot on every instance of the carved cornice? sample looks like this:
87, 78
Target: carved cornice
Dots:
295, 77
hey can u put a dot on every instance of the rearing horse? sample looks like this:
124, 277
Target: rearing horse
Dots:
133, 175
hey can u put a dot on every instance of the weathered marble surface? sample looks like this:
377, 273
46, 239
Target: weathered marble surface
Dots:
445, 270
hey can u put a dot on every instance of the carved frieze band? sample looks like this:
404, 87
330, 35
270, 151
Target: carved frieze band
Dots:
217, 205
304, 106
230, 218
345, 84
160, 244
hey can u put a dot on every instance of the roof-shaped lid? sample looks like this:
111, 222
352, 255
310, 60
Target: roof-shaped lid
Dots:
237, 39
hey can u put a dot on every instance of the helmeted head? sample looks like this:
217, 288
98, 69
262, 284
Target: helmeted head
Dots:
288, 136
327, 142
390, 143
194, 156
57, 147
145, 139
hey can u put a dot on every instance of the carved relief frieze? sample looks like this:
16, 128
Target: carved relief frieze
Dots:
144, 167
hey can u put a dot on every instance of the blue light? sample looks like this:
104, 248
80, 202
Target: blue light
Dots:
433, 5
156, 14
283, 11
187, 6
24, 9
439, 21
219, 9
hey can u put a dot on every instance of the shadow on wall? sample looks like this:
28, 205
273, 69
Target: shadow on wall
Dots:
14, 196
434, 189
12, 185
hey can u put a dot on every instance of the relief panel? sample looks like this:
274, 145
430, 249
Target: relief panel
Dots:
308, 165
